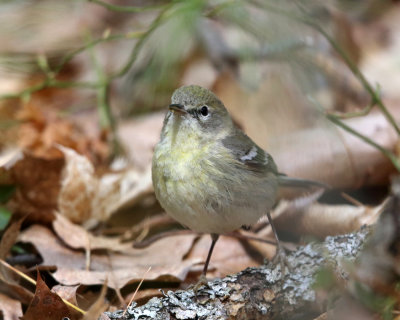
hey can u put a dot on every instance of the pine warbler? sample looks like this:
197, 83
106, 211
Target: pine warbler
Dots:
207, 174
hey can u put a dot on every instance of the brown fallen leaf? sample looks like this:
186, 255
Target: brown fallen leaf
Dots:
46, 304
304, 216
335, 156
230, 255
38, 184
41, 129
165, 257
10, 308
77, 237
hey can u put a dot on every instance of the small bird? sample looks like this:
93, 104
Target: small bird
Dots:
210, 176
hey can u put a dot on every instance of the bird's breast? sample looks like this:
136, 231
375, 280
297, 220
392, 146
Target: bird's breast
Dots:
200, 186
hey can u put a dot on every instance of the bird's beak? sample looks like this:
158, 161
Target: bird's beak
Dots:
176, 107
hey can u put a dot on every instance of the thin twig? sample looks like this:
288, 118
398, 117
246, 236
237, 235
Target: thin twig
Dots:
50, 82
136, 291
69, 56
105, 117
352, 200
386, 152
88, 251
138, 46
360, 113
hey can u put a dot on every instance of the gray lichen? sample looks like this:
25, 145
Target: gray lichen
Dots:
257, 293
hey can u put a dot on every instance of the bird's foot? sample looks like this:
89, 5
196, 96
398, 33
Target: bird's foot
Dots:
281, 257
202, 282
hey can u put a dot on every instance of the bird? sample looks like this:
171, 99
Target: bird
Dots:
208, 174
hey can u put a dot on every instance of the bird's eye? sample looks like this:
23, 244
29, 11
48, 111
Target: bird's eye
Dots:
204, 111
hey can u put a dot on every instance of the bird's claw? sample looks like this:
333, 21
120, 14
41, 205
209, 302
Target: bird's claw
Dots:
202, 282
281, 257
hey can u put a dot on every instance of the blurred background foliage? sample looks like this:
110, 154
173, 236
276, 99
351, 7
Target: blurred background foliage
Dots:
234, 35
126, 57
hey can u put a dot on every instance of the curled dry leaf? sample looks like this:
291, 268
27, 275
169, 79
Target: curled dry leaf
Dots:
77, 237
304, 216
67, 293
9, 237
78, 186
165, 257
84, 197
10, 308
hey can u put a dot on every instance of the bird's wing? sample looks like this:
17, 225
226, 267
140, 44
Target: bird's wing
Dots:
251, 157
247, 153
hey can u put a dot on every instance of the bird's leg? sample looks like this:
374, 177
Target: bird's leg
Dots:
214, 238
203, 279
280, 250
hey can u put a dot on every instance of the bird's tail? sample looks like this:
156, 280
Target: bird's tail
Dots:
286, 181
